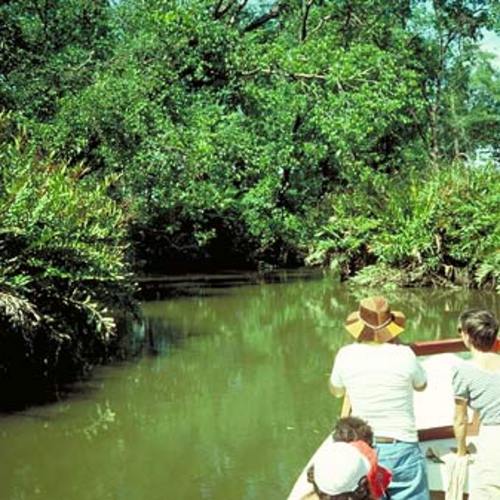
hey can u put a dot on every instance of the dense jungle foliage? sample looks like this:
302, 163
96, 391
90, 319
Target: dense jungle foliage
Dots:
165, 136
63, 271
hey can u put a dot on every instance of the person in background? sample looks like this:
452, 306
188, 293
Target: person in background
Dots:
379, 376
476, 383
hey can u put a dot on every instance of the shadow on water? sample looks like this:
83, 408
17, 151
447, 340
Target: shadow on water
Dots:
149, 335
157, 336
210, 285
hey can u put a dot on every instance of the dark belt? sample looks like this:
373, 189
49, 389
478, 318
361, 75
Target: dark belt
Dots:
384, 440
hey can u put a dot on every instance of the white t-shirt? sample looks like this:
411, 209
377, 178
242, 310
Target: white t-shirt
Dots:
379, 379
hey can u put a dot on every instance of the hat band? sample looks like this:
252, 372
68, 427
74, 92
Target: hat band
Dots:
376, 327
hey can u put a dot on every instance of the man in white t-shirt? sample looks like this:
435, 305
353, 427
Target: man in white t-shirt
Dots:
379, 377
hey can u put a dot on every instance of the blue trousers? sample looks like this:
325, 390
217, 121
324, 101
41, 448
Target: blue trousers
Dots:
407, 463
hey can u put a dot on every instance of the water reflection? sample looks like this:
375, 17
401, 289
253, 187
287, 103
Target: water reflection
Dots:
232, 402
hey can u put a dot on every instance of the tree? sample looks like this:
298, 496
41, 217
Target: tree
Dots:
446, 36
48, 49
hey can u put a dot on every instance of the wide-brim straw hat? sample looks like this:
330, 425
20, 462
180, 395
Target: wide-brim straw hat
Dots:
374, 321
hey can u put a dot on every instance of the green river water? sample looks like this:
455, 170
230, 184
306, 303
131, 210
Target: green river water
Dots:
230, 406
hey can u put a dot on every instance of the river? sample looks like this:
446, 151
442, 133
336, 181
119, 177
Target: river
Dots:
228, 400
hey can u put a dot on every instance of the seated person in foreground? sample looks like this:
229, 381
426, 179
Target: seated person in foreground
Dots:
476, 383
339, 472
346, 467
379, 377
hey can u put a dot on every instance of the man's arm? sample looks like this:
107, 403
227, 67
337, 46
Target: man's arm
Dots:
420, 388
336, 383
338, 392
460, 425
419, 377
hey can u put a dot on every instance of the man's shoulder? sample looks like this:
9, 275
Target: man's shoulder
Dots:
360, 346
465, 367
351, 349
398, 357
397, 352
403, 348
402, 354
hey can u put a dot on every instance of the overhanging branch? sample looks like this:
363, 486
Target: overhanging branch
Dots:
320, 24
305, 15
341, 86
278, 72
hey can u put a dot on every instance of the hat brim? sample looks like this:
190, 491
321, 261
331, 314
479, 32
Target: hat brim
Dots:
360, 331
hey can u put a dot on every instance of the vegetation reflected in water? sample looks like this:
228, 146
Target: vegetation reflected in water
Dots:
231, 404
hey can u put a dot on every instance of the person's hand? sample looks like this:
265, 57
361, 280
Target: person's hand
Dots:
471, 448
464, 452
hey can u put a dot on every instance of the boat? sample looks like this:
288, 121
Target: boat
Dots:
435, 428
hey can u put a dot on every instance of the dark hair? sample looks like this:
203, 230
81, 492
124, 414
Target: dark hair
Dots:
362, 491
350, 429
481, 327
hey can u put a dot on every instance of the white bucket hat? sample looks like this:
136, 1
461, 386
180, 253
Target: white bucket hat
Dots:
338, 467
